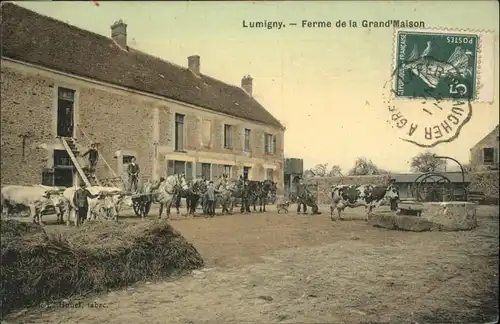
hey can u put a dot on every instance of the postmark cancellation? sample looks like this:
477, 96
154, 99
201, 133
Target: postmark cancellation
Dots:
437, 76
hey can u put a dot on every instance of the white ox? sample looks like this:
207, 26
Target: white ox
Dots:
112, 203
37, 198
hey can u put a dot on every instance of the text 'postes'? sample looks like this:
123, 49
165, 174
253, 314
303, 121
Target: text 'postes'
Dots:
280, 24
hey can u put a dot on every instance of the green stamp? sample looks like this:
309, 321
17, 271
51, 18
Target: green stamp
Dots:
436, 65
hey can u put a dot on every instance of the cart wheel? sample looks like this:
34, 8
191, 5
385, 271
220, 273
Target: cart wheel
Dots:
137, 208
147, 208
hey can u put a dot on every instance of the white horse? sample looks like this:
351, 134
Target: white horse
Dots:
168, 191
228, 191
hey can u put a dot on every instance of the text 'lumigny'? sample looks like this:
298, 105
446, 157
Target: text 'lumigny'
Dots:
280, 24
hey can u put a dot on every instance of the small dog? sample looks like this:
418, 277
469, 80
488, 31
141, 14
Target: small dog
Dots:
283, 207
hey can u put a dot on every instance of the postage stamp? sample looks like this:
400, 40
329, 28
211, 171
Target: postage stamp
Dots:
437, 76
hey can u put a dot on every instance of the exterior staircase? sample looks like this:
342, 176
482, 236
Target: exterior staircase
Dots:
86, 175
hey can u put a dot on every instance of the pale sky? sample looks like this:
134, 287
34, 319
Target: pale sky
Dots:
324, 85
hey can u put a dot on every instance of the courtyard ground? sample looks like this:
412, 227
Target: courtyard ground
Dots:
290, 268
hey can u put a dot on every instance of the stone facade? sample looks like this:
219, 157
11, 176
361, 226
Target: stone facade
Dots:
486, 182
123, 122
484, 155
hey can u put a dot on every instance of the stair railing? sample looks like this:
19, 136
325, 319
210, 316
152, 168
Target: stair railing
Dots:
75, 161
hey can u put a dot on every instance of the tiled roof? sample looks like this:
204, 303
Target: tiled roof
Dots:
492, 133
33, 38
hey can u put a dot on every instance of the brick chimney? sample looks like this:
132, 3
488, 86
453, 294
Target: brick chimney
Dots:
119, 33
246, 84
194, 64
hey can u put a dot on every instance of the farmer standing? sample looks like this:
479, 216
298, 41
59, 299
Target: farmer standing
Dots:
93, 157
133, 175
211, 191
81, 203
393, 202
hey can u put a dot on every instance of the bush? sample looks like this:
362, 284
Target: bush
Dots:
99, 256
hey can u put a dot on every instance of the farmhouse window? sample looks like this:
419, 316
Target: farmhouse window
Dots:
179, 167
206, 170
66, 94
48, 177
65, 111
269, 174
189, 171
228, 136
488, 155
62, 159
126, 159
217, 171
246, 145
270, 143
179, 132
246, 172
227, 170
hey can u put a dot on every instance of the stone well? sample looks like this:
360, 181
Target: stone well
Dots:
433, 216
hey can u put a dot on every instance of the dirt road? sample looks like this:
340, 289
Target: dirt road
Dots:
301, 268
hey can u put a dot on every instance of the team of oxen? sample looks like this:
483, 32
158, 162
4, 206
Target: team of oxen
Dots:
167, 192
40, 199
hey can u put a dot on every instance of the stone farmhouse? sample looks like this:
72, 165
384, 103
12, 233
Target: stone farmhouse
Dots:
63, 88
484, 155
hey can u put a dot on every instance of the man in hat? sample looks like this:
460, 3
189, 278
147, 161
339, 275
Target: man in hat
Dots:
211, 191
93, 157
133, 175
393, 202
81, 203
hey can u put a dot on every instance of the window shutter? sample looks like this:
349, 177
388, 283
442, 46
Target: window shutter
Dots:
482, 155
171, 130
266, 144
170, 167
215, 172
274, 144
180, 139
221, 169
223, 135
198, 170
189, 170
231, 135
495, 155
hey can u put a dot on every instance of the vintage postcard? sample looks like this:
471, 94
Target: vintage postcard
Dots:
282, 162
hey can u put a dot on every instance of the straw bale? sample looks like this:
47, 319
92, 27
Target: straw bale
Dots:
38, 267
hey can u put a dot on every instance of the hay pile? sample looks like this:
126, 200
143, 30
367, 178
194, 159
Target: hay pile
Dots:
38, 267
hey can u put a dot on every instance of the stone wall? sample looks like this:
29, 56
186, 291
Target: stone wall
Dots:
487, 182
26, 110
